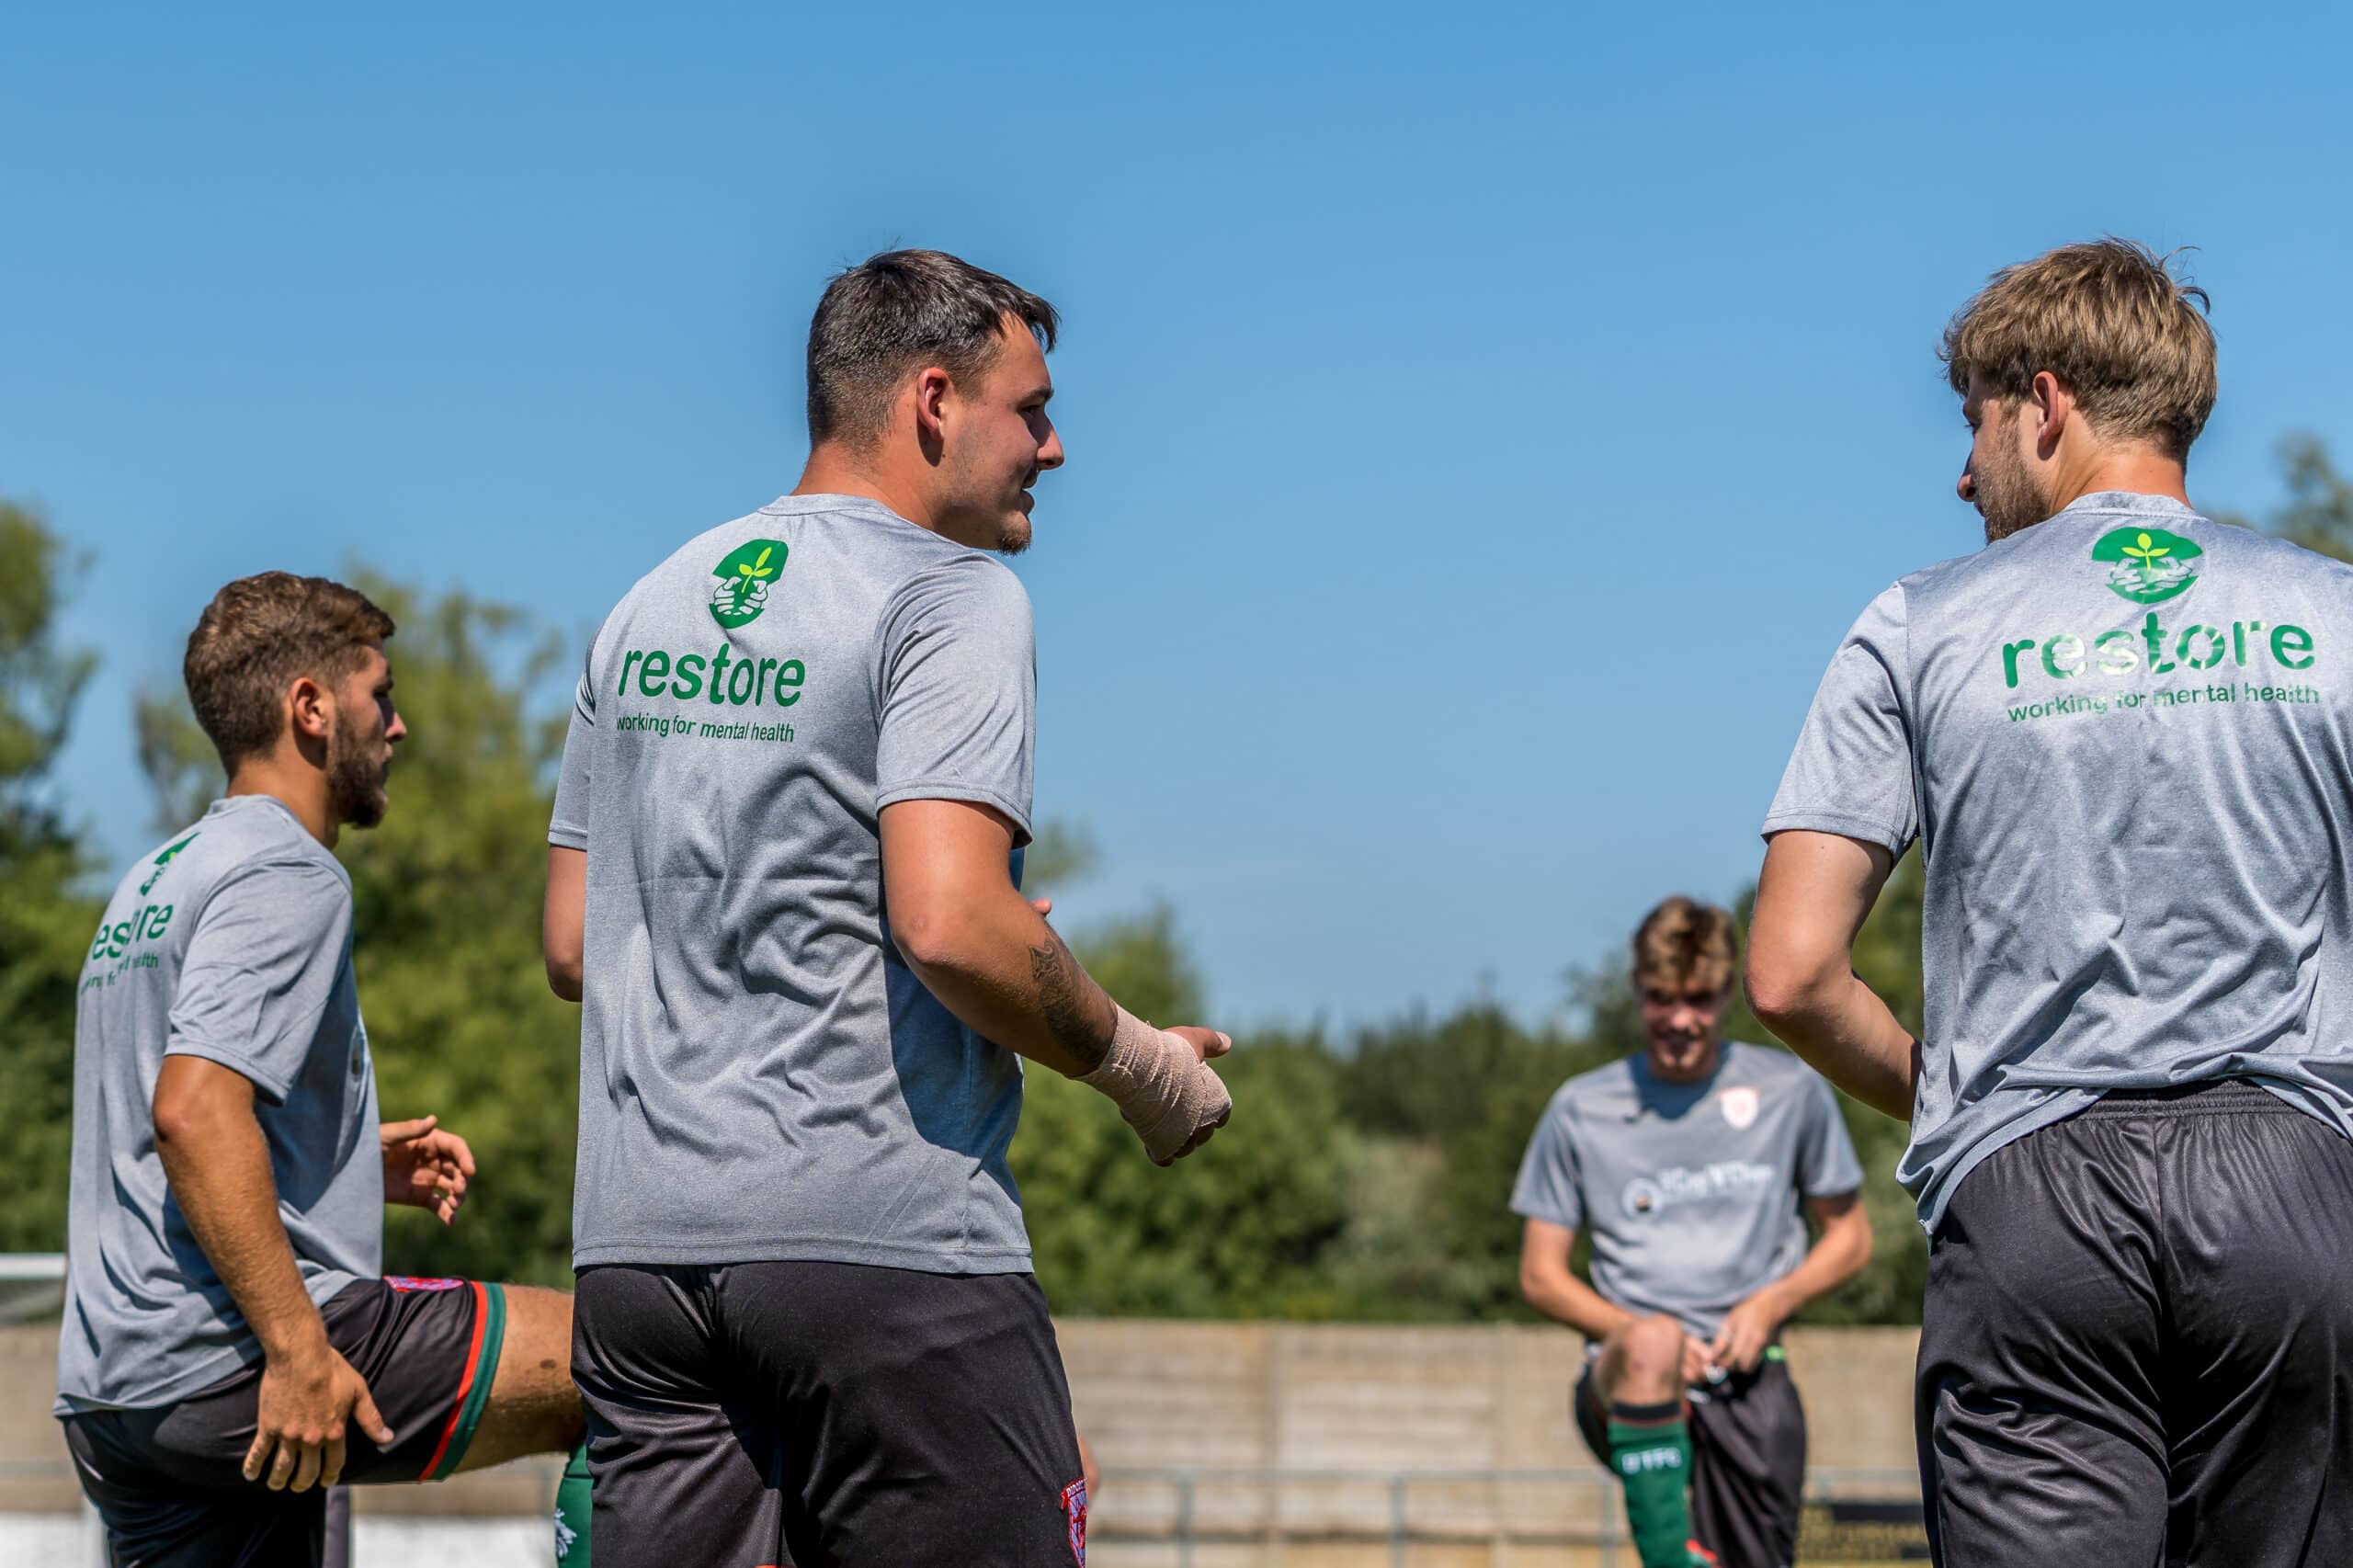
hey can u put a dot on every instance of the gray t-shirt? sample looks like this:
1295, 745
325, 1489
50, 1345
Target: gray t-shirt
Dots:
1692, 1193
761, 1075
230, 941
2118, 739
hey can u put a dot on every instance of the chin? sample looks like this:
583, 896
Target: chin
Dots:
1013, 537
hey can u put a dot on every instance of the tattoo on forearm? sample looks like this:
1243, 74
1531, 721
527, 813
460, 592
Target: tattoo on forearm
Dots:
1062, 996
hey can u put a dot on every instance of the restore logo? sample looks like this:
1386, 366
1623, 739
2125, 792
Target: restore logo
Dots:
741, 582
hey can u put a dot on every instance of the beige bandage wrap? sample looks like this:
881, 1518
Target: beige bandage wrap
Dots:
1161, 1086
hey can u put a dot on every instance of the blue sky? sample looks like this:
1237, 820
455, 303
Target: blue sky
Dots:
1483, 420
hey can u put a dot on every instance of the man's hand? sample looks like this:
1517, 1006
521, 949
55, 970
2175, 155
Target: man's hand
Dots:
1697, 1358
1747, 1330
306, 1399
425, 1167
1208, 1045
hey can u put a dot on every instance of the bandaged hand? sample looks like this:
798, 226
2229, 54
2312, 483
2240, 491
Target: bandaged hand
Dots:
1163, 1086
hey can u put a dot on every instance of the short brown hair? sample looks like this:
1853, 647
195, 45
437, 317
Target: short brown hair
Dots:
258, 634
2109, 319
896, 312
1685, 944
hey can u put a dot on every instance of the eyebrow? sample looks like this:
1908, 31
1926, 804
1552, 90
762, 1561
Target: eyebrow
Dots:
1040, 395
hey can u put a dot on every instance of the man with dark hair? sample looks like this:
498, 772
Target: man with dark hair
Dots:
784, 882
2115, 735
230, 1348
1692, 1166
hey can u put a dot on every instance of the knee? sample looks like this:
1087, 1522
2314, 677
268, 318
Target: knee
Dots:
1653, 1353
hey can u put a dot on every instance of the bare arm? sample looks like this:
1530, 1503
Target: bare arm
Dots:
979, 946
990, 958
217, 1162
1811, 898
563, 919
1837, 1255
1551, 1288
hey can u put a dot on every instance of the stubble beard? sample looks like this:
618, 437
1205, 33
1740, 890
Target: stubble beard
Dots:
2008, 496
356, 794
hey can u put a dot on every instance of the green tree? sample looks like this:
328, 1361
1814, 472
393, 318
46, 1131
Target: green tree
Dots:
1237, 1229
446, 913
2318, 513
47, 918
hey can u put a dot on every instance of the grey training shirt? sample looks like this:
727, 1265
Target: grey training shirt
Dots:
1691, 1192
761, 1075
2119, 738
230, 941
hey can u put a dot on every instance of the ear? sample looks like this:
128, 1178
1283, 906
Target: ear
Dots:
310, 708
2053, 404
932, 391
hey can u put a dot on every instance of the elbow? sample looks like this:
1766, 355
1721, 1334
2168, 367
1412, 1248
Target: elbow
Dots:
1784, 991
928, 939
178, 1119
564, 975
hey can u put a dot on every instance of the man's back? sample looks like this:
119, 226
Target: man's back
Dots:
762, 1078
230, 942
2131, 789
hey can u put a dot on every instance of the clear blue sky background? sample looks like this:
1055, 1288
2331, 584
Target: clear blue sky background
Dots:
1484, 420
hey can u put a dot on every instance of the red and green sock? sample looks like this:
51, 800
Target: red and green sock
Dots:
1650, 1447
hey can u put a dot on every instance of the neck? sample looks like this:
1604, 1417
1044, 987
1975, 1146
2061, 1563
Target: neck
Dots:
302, 791
2140, 471
833, 471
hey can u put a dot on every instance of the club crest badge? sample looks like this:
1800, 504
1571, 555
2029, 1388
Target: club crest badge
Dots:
1075, 1507
1739, 1107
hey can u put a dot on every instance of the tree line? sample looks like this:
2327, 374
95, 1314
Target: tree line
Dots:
1367, 1177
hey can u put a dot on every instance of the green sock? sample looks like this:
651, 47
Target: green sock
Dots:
571, 1512
1653, 1460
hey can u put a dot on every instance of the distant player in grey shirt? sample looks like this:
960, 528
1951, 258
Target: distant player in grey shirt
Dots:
230, 1347
783, 883
2122, 738
1693, 1166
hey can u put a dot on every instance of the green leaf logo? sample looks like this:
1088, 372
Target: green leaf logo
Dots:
163, 860
740, 583
2148, 565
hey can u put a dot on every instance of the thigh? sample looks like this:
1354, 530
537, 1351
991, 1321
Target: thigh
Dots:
2259, 1369
153, 1520
1748, 1469
2038, 1411
684, 1459
924, 1416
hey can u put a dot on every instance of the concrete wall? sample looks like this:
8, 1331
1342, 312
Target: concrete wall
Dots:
1293, 1435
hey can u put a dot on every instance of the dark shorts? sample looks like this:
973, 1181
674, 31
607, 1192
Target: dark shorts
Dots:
170, 1481
753, 1414
2138, 1341
1747, 1461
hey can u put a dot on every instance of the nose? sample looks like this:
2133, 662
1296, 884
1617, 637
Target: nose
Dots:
1049, 451
1967, 487
398, 729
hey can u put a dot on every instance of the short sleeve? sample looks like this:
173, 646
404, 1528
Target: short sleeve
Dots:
1826, 1162
1851, 773
568, 826
1547, 1189
261, 970
958, 692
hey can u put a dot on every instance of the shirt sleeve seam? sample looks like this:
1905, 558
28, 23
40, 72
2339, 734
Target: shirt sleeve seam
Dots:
270, 1084
1839, 823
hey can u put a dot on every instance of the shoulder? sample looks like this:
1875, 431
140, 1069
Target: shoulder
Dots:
966, 589
1593, 1091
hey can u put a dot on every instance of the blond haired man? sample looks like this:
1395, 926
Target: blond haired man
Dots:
1692, 1164
2115, 736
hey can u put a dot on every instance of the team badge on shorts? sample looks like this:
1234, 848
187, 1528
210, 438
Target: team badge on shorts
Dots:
1074, 1505
1739, 1106
406, 1282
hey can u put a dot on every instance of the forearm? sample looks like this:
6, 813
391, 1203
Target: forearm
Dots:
1565, 1299
1841, 1029
1006, 975
1837, 1257
218, 1164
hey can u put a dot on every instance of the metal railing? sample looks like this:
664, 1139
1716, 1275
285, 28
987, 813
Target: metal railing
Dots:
1369, 1507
